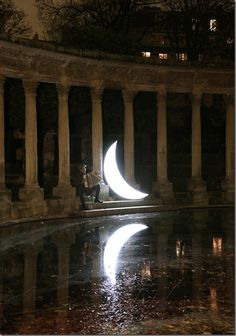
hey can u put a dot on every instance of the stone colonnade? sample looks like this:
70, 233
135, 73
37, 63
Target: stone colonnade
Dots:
33, 194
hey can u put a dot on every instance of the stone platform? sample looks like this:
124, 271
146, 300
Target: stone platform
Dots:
120, 207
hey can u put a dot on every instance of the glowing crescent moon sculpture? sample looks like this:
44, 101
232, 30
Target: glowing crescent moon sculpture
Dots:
113, 246
114, 178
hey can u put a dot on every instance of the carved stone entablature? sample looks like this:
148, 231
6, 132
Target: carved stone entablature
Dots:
14, 57
2, 81
80, 71
179, 80
150, 76
117, 73
222, 80
46, 65
9, 63
93, 73
8, 51
229, 99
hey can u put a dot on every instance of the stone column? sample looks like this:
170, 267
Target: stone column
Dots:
30, 278
228, 183
31, 192
2, 134
63, 241
197, 185
128, 97
64, 188
1, 288
5, 194
162, 187
97, 129
97, 136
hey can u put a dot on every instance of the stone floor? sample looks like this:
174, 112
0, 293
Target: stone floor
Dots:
175, 277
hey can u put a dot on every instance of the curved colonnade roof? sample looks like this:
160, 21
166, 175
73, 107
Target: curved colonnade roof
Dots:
46, 63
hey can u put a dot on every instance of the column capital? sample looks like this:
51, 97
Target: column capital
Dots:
2, 81
33, 248
229, 99
62, 89
97, 92
128, 95
30, 86
196, 95
162, 93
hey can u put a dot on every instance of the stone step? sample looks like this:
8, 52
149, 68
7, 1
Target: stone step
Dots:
120, 207
95, 212
121, 203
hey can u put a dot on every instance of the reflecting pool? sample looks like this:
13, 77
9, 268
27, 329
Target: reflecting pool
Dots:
174, 276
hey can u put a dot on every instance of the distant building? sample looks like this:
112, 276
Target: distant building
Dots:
208, 37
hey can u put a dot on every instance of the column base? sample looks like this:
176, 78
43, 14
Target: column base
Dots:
67, 193
5, 194
198, 188
64, 190
5, 203
163, 189
228, 190
33, 197
104, 192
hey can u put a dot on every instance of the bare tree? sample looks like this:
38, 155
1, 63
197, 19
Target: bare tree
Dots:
13, 20
101, 24
107, 24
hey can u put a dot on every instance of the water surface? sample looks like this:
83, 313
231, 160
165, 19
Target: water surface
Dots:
174, 277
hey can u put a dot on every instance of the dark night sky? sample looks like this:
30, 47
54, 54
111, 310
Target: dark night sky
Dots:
30, 9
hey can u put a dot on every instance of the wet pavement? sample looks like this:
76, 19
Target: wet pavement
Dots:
174, 277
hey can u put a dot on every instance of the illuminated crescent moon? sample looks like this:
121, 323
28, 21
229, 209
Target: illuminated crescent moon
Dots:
114, 178
113, 246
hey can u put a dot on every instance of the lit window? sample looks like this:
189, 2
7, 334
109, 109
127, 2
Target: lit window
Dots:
146, 54
163, 56
163, 40
182, 56
217, 246
213, 25
195, 23
179, 248
230, 40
